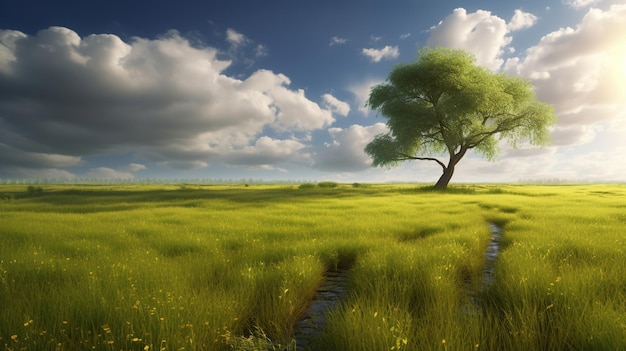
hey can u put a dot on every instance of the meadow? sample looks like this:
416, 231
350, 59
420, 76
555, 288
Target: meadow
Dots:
229, 267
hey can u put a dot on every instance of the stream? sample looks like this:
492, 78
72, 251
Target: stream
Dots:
490, 256
310, 327
488, 273
334, 289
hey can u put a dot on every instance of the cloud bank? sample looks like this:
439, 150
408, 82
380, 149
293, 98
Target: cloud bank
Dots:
582, 72
64, 97
482, 33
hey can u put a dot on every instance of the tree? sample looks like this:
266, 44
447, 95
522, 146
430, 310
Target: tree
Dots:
443, 103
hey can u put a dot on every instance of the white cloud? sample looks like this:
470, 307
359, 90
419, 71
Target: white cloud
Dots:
266, 152
163, 100
337, 106
483, 34
521, 20
405, 36
337, 41
388, 52
345, 153
235, 38
291, 109
578, 70
579, 4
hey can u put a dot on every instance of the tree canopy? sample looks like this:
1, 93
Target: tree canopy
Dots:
443, 103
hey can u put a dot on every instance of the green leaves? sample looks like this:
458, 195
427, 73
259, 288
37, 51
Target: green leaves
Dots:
384, 151
443, 101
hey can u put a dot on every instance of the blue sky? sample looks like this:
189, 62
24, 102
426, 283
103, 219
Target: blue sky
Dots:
275, 90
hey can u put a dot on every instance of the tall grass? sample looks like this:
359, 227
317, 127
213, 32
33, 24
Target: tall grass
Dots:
234, 267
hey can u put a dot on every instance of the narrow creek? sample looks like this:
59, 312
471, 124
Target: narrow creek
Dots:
330, 293
488, 273
334, 288
490, 256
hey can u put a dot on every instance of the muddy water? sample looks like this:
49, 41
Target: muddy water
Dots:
310, 327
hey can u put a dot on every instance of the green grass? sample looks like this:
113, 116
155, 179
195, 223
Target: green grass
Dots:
234, 267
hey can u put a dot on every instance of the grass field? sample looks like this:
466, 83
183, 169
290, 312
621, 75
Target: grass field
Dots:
232, 267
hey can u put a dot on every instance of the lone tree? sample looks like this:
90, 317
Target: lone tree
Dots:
443, 103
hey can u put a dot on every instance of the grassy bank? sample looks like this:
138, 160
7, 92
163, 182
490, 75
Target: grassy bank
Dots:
216, 267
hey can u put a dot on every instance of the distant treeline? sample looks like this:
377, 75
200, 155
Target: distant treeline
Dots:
558, 181
249, 181
97, 181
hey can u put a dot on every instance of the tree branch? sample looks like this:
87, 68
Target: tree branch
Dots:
505, 126
409, 157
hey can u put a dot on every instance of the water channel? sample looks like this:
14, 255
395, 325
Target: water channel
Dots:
490, 256
489, 270
331, 292
334, 289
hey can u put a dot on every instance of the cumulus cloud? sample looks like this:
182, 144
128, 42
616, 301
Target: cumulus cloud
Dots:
376, 55
266, 152
521, 20
339, 107
345, 153
483, 34
161, 99
581, 71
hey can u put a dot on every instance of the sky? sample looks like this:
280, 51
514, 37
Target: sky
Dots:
276, 90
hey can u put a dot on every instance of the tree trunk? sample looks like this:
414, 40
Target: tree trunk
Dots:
443, 181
